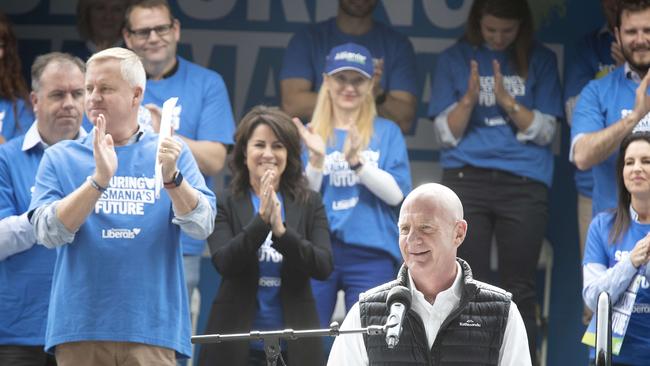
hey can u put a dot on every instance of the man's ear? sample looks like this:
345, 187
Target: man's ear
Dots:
460, 231
34, 99
137, 95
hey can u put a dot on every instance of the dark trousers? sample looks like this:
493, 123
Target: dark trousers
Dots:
25, 356
258, 358
514, 210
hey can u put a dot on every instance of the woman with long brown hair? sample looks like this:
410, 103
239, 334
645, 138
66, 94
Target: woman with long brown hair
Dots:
15, 110
270, 237
618, 249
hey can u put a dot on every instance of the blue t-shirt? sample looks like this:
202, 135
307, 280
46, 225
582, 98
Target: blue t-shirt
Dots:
268, 314
205, 114
490, 138
121, 279
305, 55
602, 103
349, 203
593, 60
25, 277
636, 344
10, 126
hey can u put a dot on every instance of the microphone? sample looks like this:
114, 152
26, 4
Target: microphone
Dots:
399, 302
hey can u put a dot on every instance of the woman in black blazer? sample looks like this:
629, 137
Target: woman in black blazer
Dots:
271, 236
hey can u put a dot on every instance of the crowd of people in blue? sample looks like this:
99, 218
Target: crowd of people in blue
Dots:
97, 266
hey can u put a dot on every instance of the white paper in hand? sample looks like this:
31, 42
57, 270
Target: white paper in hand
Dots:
165, 131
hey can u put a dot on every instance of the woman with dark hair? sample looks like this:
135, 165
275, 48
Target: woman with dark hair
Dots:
495, 101
271, 237
618, 248
16, 114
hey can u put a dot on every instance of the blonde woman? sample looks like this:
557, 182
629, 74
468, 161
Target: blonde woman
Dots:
359, 163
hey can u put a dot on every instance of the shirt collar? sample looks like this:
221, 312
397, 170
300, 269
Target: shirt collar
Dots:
451, 295
33, 137
631, 74
135, 137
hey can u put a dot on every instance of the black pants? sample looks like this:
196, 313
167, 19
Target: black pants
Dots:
25, 356
514, 210
258, 358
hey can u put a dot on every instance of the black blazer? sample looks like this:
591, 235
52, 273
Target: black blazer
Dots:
238, 234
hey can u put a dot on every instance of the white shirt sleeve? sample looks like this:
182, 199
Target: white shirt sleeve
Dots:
198, 223
443, 138
541, 131
381, 184
349, 349
49, 230
598, 278
514, 348
314, 177
16, 235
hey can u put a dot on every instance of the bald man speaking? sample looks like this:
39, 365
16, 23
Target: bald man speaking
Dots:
453, 319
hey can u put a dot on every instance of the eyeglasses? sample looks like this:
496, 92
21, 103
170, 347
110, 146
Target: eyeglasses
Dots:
144, 33
355, 82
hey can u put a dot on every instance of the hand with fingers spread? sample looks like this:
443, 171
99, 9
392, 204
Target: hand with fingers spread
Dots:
617, 54
641, 252
314, 143
104, 153
267, 193
501, 94
642, 100
170, 150
352, 146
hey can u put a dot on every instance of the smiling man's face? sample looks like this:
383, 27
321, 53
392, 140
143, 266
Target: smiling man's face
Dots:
429, 234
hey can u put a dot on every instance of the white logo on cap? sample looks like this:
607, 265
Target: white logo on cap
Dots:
351, 57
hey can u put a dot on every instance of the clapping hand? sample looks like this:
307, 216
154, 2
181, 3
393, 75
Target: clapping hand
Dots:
641, 252
104, 152
270, 208
503, 98
642, 100
314, 143
352, 146
473, 86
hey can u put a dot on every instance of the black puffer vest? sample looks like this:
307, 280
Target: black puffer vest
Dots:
471, 335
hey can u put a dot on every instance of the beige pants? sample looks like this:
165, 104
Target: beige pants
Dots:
99, 353
584, 219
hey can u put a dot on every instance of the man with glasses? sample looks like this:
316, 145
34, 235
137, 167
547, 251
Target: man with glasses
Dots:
204, 115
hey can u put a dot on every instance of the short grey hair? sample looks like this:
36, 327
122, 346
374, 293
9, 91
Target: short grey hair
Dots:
130, 65
42, 61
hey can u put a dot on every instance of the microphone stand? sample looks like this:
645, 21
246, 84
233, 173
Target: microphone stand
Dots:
271, 339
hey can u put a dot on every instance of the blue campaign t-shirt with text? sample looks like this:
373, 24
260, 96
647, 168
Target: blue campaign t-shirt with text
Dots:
636, 345
25, 277
121, 279
355, 214
268, 314
204, 113
490, 137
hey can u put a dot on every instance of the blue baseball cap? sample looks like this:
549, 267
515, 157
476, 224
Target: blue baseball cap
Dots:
349, 56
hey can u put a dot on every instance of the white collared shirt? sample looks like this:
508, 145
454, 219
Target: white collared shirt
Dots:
350, 349
33, 137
